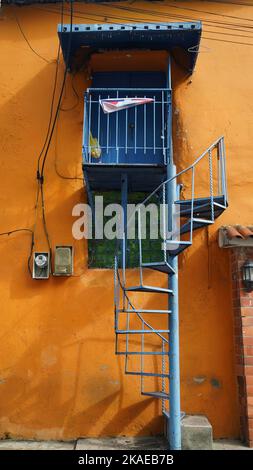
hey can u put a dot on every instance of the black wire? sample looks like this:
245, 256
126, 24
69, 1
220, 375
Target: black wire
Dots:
53, 95
40, 192
16, 230
212, 23
28, 43
76, 95
61, 93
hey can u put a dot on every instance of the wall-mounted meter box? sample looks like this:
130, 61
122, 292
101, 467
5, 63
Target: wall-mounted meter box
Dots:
41, 265
63, 261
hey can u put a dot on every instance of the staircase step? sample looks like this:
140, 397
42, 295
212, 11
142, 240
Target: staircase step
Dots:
145, 353
196, 223
144, 311
176, 251
143, 288
202, 206
161, 266
162, 395
147, 374
137, 332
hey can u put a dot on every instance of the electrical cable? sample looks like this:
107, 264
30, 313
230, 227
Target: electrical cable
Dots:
230, 26
41, 176
28, 43
16, 230
76, 95
40, 191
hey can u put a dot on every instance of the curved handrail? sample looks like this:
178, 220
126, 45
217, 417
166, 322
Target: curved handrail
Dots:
190, 167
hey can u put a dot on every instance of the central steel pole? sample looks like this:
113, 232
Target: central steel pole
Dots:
174, 425
174, 365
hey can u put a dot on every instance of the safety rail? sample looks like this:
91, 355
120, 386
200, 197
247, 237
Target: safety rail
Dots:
193, 213
133, 135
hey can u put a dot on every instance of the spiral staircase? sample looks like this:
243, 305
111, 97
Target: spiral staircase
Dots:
143, 331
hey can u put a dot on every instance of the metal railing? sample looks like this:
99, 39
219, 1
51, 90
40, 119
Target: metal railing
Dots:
133, 135
190, 216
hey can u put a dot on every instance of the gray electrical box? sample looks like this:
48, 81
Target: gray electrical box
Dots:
41, 265
63, 261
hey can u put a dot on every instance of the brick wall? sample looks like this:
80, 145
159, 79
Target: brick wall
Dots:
243, 333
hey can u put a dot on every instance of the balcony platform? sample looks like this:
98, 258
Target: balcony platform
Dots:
141, 177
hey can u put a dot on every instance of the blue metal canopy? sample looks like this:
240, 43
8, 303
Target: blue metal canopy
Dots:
180, 39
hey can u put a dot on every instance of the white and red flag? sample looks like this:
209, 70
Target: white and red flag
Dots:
110, 105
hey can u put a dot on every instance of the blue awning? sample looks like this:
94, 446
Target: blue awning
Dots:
180, 39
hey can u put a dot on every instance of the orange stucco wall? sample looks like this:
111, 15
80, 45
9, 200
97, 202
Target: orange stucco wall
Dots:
59, 377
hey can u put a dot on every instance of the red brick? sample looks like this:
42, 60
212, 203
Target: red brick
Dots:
248, 350
249, 381
248, 361
250, 411
248, 371
248, 340
249, 389
248, 330
245, 301
246, 311
247, 321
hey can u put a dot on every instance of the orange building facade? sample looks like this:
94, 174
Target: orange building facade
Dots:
59, 376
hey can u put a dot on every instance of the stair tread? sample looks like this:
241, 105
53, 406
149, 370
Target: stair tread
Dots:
143, 288
161, 266
144, 311
147, 374
147, 331
156, 395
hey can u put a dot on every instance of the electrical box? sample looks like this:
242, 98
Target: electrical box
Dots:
41, 265
63, 261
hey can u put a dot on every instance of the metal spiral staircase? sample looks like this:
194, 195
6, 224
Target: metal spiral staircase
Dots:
143, 331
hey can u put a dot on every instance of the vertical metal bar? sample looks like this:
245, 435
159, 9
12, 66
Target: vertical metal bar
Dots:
164, 208
163, 127
117, 130
99, 121
142, 357
127, 337
163, 372
135, 128
218, 168
89, 128
154, 149
126, 130
145, 127
224, 180
107, 131
192, 203
140, 246
124, 189
85, 129
169, 73
174, 428
210, 162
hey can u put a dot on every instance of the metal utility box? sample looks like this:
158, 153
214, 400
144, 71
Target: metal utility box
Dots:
41, 265
63, 261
